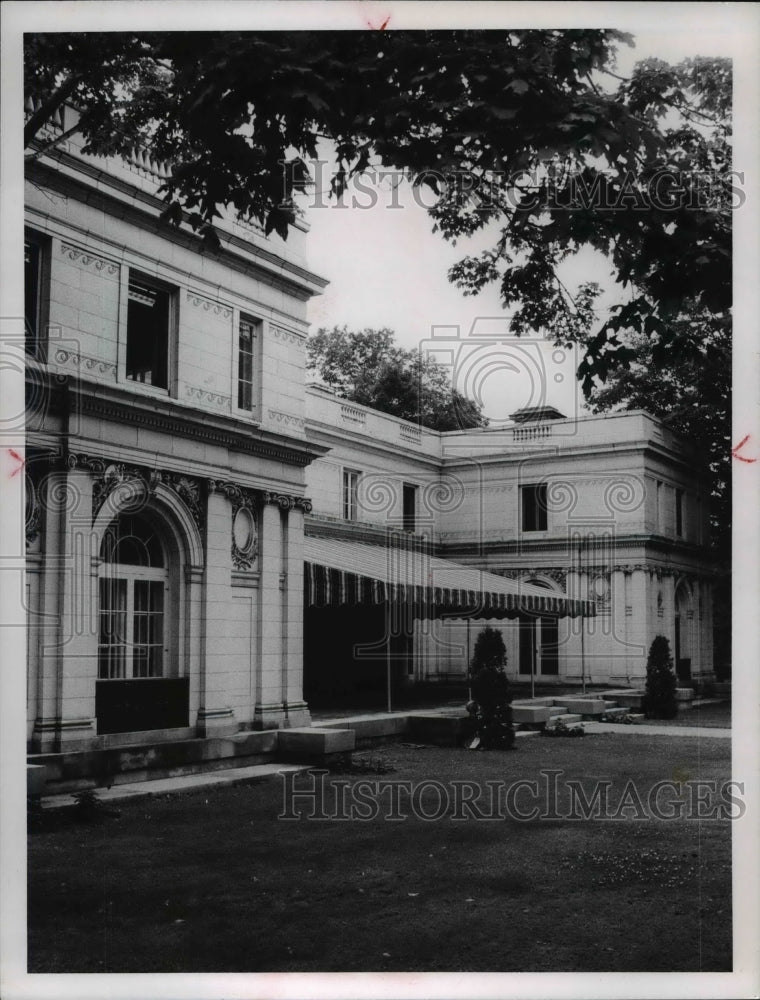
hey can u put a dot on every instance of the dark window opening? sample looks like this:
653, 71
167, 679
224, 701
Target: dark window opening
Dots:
32, 282
148, 334
679, 513
534, 509
410, 507
246, 342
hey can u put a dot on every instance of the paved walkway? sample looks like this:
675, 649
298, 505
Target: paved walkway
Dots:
262, 772
645, 729
183, 783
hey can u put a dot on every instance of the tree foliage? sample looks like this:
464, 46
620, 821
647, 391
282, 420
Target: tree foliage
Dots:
530, 132
491, 703
691, 394
370, 368
660, 695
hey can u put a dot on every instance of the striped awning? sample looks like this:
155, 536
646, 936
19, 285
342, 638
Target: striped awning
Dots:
350, 573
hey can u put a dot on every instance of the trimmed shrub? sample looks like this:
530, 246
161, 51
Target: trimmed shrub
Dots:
660, 696
491, 706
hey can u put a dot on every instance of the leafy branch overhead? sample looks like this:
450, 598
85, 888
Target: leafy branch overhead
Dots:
530, 133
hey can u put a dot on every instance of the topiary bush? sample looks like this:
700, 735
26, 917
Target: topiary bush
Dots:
660, 695
491, 704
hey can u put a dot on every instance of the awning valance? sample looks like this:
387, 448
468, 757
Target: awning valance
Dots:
349, 573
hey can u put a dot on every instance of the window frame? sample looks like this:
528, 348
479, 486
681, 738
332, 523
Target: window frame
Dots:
134, 274
257, 325
409, 490
34, 339
350, 493
540, 511
679, 512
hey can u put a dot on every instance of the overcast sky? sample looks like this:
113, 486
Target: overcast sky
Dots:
388, 269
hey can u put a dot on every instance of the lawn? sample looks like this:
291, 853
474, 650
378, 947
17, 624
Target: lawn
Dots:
214, 881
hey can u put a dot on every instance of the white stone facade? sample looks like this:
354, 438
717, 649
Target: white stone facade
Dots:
135, 421
611, 534
174, 455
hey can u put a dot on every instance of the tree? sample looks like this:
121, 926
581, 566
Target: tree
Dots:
529, 130
692, 397
491, 703
660, 695
370, 368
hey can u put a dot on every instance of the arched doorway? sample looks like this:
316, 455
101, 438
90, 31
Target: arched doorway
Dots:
137, 687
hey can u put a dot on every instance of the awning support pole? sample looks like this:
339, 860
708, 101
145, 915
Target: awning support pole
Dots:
467, 665
388, 672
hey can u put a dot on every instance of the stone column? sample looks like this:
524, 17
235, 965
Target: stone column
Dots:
69, 648
619, 627
269, 712
639, 625
215, 716
295, 706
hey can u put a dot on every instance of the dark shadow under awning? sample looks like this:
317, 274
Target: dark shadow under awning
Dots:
350, 573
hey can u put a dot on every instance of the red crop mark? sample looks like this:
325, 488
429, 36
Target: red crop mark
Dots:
377, 27
740, 445
19, 459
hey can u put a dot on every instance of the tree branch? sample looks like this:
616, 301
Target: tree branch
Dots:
55, 141
48, 106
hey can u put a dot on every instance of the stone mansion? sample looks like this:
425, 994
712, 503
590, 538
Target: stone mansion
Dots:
213, 545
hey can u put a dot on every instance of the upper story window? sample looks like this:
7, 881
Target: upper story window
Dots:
410, 507
679, 513
149, 319
33, 265
350, 494
248, 339
533, 507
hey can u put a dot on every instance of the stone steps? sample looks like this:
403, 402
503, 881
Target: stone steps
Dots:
569, 719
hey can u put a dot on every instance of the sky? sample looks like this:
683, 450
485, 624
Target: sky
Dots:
388, 269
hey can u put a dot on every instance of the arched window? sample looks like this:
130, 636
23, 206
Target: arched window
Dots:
133, 588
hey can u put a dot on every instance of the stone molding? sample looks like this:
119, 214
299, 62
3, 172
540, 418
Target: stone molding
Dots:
209, 305
287, 419
207, 395
286, 336
88, 259
81, 362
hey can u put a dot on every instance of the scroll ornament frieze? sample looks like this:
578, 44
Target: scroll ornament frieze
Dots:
209, 306
82, 363
88, 259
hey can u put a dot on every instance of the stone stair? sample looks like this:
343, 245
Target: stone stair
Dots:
572, 709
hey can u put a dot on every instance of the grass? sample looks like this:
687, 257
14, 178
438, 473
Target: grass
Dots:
213, 881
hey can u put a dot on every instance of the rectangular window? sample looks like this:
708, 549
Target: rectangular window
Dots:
350, 494
247, 339
148, 321
533, 504
679, 513
410, 507
32, 288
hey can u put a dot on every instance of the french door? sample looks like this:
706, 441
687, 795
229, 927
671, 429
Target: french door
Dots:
131, 643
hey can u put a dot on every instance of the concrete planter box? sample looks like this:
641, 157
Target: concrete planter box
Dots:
684, 694
587, 707
309, 744
536, 715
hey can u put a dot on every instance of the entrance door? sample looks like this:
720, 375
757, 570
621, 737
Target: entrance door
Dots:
133, 692
549, 646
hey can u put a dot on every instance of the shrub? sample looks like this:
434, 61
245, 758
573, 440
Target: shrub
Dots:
492, 701
660, 696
